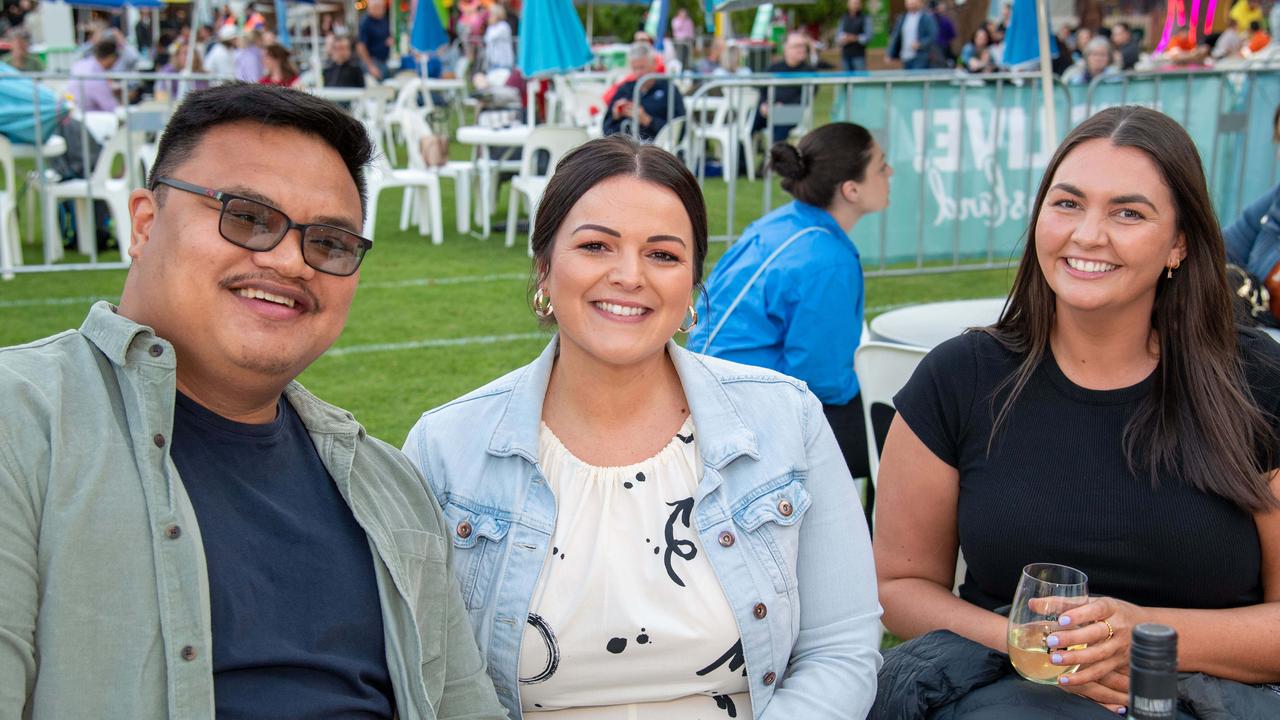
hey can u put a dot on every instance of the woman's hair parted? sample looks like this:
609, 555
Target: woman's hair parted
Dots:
813, 170
592, 163
1200, 417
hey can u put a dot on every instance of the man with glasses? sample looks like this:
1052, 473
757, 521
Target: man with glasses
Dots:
184, 530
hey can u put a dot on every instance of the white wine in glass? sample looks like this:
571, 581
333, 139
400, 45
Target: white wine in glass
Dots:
1044, 592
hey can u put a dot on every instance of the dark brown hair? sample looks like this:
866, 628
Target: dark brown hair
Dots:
592, 163
813, 170
1200, 417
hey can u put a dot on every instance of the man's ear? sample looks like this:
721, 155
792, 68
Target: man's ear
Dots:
142, 215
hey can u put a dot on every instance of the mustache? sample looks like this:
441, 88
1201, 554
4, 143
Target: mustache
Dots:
272, 277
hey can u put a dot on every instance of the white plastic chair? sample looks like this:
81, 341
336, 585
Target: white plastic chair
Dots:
459, 171
556, 141
671, 137
101, 185
732, 123
883, 369
10, 242
405, 106
424, 186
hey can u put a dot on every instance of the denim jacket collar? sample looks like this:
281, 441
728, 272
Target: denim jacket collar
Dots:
722, 433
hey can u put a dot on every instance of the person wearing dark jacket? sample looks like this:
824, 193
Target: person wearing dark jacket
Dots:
343, 70
914, 38
655, 109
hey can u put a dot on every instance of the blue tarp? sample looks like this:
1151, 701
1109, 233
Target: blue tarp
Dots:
17, 119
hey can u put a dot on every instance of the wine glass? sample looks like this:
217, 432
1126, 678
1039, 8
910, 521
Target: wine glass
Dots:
1044, 592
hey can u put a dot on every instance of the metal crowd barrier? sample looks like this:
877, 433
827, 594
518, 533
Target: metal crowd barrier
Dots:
968, 150
136, 121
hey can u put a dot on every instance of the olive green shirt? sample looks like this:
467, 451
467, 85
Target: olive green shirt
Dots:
104, 597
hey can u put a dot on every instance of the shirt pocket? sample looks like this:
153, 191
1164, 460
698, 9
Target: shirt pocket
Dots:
478, 537
772, 524
421, 556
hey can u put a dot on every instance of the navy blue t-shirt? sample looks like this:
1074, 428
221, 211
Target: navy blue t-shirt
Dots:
373, 34
297, 626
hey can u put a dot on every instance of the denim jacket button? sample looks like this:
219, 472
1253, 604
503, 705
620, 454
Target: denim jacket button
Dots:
158, 440
785, 508
173, 532
769, 677
726, 539
464, 529
1264, 219
156, 350
188, 653
760, 611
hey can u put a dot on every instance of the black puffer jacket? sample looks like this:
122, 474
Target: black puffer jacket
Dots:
942, 676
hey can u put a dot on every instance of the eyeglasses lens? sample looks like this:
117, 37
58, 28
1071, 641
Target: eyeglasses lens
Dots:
331, 249
259, 227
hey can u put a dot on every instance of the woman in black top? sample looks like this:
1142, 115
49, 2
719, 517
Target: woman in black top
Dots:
1114, 420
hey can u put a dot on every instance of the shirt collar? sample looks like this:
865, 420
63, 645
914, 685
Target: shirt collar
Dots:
814, 215
722, 434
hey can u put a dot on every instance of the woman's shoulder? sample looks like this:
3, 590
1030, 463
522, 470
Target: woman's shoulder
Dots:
972, 349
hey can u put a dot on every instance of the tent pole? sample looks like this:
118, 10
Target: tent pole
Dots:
1046, 72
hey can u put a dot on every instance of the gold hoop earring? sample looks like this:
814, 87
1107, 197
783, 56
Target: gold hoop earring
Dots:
542, 304
691, 318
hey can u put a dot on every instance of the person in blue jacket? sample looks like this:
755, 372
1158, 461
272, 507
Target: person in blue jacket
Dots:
1253, 243
788, 295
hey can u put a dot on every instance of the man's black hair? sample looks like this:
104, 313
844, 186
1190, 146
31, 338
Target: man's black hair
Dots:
104, 49
269, 105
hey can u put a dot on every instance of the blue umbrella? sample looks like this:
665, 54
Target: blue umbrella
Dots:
1022, 39
282, 24
117, 3
551, 38
655, 21
428, 33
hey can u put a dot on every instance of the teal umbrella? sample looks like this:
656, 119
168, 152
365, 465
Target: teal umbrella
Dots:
551, 38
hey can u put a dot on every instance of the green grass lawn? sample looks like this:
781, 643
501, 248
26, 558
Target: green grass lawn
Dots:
393, 361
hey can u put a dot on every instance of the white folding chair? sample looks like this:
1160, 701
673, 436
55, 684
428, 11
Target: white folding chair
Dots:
731, 124
555, 141
424, 186
883, 369
10, 242
407, 103
459, 171
671, 137
101, 185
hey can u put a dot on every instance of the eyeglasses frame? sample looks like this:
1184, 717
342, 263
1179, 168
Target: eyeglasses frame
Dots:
225, 197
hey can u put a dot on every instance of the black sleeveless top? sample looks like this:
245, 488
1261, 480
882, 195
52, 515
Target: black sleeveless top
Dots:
1056, 488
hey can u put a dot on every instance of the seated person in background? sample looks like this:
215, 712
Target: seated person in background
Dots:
655, 109
343, 69
710, 62
1124, 42
1183, 49
795, 59
788, 295
732, 64
174, 88
1258, 38
1115, 420
20, 57
975, 56
637, 538
280, 68
90, 93
1230, 44
498, 50
1095, 64
1253, 241
228, 545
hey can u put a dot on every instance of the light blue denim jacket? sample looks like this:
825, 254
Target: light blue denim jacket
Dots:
763, 438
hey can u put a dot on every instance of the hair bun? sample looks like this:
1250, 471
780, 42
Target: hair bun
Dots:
786, 160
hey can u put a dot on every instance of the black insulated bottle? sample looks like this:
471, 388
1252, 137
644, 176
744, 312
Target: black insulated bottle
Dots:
1153, 673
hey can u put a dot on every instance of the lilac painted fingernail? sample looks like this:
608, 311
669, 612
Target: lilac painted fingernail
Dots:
1064, 620
1052, 641
1122, 711
1064, 680
1056, 659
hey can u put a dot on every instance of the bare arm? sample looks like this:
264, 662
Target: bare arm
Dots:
916, 543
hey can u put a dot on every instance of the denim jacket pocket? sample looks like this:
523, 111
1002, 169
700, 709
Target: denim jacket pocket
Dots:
478, 535
424, 573
772, 521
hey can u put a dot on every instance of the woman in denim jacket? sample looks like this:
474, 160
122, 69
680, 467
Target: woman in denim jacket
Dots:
642, 531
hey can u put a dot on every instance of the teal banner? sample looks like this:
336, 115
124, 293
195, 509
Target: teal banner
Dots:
968, 155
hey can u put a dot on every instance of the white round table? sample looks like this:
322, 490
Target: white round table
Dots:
930, 324
486, 137
508, 139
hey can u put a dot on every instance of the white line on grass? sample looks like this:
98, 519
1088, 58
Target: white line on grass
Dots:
33, 302
435, 343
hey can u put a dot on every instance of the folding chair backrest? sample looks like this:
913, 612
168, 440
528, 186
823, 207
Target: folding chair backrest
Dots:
408, 96
883, 369
555, 141
670, 135
115, 147
6, 165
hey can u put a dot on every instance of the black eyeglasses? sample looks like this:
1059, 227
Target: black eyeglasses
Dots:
259, 227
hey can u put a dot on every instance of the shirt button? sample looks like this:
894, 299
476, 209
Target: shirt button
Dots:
173, 532
188, 653
156, 350
1264, 219
464, 529
760, 611
158, 440
726, 539
785, 508
769, 677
